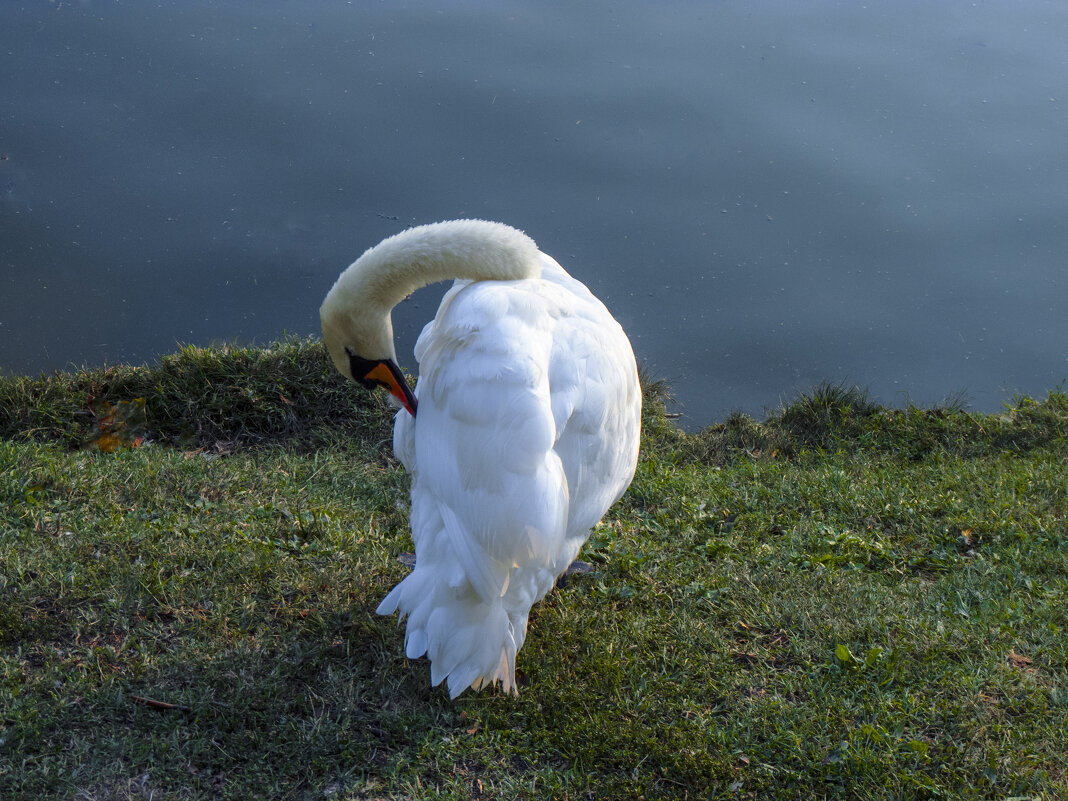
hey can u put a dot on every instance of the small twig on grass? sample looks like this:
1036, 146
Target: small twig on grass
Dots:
162, 706
977, 424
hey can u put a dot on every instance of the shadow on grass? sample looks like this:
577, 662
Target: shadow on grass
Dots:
322, 700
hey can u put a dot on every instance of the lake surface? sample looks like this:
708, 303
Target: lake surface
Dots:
765, 194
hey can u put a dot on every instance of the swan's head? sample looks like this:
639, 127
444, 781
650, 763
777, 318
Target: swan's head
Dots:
359, 337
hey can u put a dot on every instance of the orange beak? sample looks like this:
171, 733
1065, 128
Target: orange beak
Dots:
386, 374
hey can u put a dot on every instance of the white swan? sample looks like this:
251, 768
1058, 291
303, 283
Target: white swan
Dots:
521, 433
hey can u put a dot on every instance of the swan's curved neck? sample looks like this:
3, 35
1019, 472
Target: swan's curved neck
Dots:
356, 312
471, 249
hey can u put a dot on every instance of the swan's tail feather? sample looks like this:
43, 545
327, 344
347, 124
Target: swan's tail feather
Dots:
469, 643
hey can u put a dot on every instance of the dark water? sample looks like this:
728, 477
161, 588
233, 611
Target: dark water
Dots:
766, 194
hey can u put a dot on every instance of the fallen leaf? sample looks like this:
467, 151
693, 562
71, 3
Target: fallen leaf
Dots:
120, 425
1019, 660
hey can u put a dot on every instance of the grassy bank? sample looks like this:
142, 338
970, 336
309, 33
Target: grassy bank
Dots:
839, 601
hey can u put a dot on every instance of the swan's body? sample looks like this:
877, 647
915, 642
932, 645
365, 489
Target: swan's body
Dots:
525, 433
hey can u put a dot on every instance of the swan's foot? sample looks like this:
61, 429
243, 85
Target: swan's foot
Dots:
576, 568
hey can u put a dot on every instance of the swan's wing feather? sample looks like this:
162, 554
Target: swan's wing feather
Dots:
596, 404
484, 447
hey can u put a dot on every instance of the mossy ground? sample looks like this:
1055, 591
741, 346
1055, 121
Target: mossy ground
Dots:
841, 600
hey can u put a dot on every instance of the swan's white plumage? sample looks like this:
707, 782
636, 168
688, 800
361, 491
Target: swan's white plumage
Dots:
526, 433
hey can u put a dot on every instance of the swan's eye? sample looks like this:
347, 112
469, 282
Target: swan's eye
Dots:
360, 367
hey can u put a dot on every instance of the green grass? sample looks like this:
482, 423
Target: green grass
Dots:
841, 601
